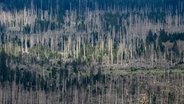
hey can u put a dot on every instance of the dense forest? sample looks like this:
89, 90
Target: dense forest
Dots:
91, 51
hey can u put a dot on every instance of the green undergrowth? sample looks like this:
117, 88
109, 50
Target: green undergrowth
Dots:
139, 71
